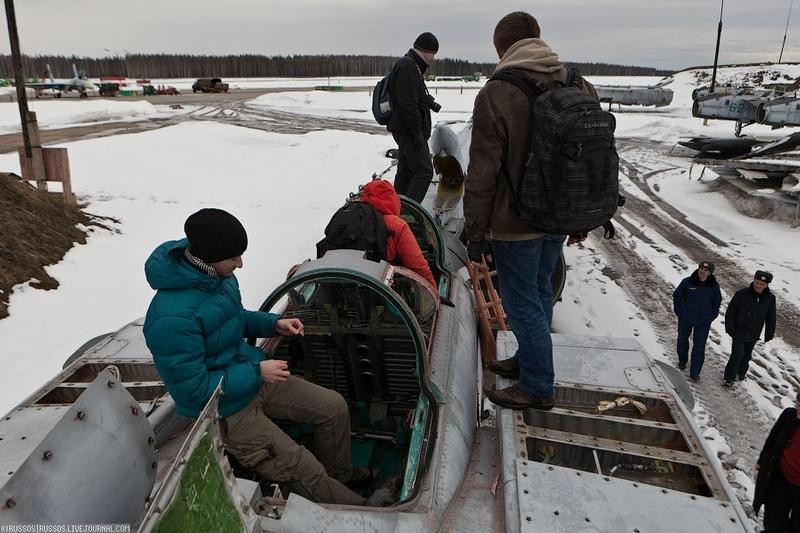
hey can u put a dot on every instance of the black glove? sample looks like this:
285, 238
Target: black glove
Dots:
576, 238
477, 249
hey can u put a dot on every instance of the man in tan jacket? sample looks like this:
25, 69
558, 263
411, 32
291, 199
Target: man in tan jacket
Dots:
525, 259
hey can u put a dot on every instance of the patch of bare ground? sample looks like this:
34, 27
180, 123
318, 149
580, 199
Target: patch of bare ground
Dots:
36, 230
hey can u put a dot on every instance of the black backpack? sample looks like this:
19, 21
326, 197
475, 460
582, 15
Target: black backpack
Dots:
356, 226
382, 101
570, 184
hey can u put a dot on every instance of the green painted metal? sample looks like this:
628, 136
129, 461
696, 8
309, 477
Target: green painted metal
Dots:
415, 447
409, 206
346, 274
202, 503
427, 388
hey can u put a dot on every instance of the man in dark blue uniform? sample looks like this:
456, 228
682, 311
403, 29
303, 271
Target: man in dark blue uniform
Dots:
696, 303
750, 310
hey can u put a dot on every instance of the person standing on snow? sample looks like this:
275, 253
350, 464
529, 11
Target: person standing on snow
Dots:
696, 303
750, 310
195, 328
410, 122
525, 258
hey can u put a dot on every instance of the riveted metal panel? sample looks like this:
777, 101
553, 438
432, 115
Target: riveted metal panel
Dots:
98, 460
554, 499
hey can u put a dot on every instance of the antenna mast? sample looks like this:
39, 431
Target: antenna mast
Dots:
786, 31
716, 53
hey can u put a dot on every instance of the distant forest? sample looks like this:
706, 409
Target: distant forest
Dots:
259, 66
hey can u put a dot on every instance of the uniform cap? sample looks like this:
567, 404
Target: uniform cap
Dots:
763, 275
708, 265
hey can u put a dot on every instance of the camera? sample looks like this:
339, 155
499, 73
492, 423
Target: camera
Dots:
435, 107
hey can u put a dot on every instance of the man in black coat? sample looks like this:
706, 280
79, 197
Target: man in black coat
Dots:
410, 122
750, 309
778, 479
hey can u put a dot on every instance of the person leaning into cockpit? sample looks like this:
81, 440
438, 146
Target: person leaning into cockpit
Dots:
195, 328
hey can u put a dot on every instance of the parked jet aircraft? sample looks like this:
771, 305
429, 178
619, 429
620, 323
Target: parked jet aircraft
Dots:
79, 83
646, 95
746, 106
780, 112
739, 105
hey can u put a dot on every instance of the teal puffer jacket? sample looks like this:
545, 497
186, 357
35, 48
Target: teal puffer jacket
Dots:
195, 329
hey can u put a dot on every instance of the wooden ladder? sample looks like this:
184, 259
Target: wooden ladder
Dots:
488, 307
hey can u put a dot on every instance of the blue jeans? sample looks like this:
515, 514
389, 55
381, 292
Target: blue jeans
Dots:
524, 269
698, 345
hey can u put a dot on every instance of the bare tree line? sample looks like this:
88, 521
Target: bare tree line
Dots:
259, 66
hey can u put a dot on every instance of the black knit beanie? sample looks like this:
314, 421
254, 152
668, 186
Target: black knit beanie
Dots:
215, 235
427, 42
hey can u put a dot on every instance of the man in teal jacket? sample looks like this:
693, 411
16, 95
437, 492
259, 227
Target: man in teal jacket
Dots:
195, 328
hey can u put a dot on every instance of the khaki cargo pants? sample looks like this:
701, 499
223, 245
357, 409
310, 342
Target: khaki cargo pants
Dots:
259, 444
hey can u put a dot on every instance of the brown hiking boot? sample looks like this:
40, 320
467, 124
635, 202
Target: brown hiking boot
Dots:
507, 368
513, 398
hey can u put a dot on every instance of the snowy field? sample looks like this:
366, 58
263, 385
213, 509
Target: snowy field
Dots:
284, 189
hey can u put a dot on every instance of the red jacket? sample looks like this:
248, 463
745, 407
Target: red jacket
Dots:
401, 245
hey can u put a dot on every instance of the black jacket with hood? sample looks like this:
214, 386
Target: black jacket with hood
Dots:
411, 114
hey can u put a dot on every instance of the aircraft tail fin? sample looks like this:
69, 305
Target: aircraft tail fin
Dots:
50, 73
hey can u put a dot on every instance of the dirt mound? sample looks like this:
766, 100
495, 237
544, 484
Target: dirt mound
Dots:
36, 230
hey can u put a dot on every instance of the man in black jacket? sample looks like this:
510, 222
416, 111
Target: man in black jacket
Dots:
410, 123
778, 479
749, 310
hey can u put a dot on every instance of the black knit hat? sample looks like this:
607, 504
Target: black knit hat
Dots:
708, 265
215, 235
427, 42
763, 275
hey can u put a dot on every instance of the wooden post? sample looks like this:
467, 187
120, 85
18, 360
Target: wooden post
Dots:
39, 173
55, 164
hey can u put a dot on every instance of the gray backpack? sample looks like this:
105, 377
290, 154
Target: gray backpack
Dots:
570, 183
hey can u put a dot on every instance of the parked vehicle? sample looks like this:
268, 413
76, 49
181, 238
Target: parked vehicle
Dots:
109, 89
209, 85
149, 90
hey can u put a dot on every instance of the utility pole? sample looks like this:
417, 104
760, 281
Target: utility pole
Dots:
716, 53
786, 31
30, 128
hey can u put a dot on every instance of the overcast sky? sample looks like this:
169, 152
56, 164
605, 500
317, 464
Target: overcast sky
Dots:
669, 34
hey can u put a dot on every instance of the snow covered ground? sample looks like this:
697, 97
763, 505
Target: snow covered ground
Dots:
57, 114
285, 187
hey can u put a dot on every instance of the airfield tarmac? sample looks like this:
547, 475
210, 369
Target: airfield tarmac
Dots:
229, 108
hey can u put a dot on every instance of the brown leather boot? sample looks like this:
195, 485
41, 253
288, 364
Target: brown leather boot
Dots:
507, 368
513, 398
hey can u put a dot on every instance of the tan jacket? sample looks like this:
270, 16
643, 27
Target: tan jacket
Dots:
500, 131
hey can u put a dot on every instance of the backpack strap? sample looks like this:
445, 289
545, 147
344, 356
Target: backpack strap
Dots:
574, 79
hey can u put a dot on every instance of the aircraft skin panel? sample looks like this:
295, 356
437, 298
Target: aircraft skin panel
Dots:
577, 466
105, 441
565, 503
